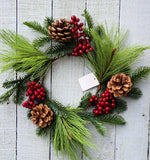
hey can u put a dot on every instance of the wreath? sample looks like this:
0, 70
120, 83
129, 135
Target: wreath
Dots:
109, 59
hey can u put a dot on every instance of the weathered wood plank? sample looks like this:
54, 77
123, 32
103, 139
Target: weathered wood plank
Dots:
67, 70
29, 145
7, 111
132, 139
102, 11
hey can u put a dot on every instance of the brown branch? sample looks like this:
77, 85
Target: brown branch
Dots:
98, 88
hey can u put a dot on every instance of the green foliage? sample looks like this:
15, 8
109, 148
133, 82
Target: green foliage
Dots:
108, 57
88, 19
121, 105
135, 93
41, 41
111, 119
71, 135
28, 59
139, 74
84, 104
5, 97
99, 126
48, 22
60, 50
37, 27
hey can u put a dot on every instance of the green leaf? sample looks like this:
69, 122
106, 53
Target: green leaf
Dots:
121, 105
135, 93
37, 27
84, 104
139, 74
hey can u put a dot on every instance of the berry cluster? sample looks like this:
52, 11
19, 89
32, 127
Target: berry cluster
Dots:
104, 104
36, 94
83, 45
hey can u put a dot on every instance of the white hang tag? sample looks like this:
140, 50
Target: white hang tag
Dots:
88, 81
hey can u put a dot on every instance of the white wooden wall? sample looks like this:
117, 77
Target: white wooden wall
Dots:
17, 134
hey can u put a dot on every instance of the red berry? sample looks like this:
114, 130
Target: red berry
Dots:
76, 54
90, 104
96, 99
41, 93
87, 41
107, 94
24, 104
29, 107
88, 45
80, 52
73, 17
75, 28
72, 30
106, 112
102, 103
30, 92
83, 47
107, 89
101, 99
106, 103
90, 49
75, 37
113, 100
99, 112
27, 94
43, 98
75, 23
80, 29
90, 100
100, 108
32, 98
84, 35
36, 93
77, 19
39, 96
103, 95
37, 85
93, 96
33, 83
110, 97
39, 90
104, 99
96, 112
72, 53
79, 35
29, 83
71, 22
113, 105
107, 109
107, 98
81, 24
80, 45
31, 103
97, 105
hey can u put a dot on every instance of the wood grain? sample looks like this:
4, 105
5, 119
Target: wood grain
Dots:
132, 139
7, 111
29, 145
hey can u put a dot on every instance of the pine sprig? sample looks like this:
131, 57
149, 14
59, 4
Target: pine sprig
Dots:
48, 22
139, 74
121, 105
88, 18
84, 104
99, 126
5, 97
37, 27
28, 59
135, 93
41, 41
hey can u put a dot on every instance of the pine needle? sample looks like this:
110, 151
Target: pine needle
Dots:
139, 74
135, 93
37, 27
48, 22
41, 41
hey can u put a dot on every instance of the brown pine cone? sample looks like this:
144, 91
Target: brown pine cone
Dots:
42, 115
60, 31
119, 85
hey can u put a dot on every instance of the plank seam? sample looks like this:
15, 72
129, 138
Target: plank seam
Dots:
148, 133
50, 148
16, 78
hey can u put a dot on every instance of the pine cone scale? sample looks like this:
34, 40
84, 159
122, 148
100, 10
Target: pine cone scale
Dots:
42, 115
119, 85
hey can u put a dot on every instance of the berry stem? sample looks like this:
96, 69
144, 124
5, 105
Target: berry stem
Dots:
98, 88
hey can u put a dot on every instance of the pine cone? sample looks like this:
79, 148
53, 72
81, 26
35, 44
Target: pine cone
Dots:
60, 31
42, 115
119, 85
